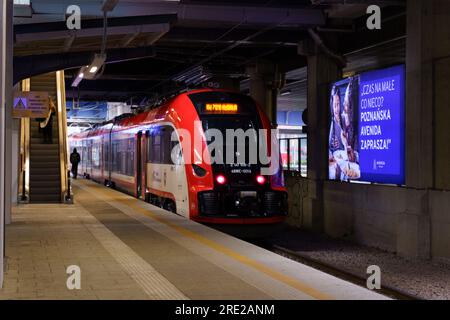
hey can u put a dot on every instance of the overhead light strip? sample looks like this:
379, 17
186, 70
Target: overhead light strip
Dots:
22, 2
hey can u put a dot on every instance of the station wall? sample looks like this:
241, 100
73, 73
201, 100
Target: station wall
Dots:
412, 221
442, 116
377, 216
440, 225
441, 54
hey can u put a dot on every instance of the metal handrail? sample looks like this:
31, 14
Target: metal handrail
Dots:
24, 192
69, 187
25, 137
63, 141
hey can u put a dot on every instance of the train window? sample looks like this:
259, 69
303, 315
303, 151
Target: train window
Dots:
160, 145
82, 153
96, 154
113, 154
167, 145
117, 157
149, 147
156, 147
106, 153
122, 156
89, 152
233, 123
129, 157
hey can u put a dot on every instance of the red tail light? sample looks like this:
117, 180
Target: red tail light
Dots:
261, 179
221, 179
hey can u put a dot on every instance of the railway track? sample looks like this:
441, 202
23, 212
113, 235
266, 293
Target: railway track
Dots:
388, 291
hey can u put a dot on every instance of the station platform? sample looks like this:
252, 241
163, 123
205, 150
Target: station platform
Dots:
128, 249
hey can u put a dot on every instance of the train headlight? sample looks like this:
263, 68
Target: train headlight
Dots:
199, 171
261, 179
220, 179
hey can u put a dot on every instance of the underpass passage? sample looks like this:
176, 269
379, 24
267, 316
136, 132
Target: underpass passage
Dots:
129, 249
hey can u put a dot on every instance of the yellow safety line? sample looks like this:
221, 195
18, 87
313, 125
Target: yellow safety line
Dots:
228, 252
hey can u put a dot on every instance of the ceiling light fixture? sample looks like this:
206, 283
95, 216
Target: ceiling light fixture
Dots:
96, 64
285, 93
80, 76
22, 9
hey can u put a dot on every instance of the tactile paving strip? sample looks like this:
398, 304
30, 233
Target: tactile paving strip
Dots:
153, 283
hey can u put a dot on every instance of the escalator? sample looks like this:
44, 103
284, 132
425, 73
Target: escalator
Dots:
47, 162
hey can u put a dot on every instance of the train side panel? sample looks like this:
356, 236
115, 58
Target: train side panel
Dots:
165, 169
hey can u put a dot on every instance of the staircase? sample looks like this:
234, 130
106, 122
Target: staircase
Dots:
45, 170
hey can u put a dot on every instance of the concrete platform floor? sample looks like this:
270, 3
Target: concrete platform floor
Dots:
128, 249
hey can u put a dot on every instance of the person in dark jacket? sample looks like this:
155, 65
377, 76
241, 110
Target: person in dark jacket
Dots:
75, 160
47, 124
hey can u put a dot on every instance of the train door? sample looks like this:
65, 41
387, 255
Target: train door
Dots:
138, 165
143, 158
110, 157
83, 156
89, 157
105, 159
178, 165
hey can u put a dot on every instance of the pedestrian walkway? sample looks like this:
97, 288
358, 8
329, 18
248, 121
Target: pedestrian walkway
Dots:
128, 249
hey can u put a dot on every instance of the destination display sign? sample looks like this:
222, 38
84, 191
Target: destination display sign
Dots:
221, 108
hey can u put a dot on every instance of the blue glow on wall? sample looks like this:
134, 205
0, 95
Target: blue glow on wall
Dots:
87, 110
290, 118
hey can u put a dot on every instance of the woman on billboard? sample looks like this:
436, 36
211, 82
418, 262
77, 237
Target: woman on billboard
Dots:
347, 122
342, 156
337, 140
347, 115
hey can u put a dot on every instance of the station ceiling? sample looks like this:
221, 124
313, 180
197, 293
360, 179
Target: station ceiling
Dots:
216, 38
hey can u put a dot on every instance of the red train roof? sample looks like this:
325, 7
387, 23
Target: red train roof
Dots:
155, 115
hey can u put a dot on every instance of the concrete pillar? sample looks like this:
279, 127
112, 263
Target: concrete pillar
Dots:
419, 95
10, 157
265, 83
6, 55
413, 234
321, 72
15, 159
427, 130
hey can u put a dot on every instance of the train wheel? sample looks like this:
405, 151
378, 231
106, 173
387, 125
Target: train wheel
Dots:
152, 199
169, 205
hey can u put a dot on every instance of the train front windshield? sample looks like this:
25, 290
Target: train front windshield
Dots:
240, 190
236, 117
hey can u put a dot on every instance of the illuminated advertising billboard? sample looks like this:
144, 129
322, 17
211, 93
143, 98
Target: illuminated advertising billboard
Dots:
366, 132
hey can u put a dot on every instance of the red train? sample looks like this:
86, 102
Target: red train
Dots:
138, 155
